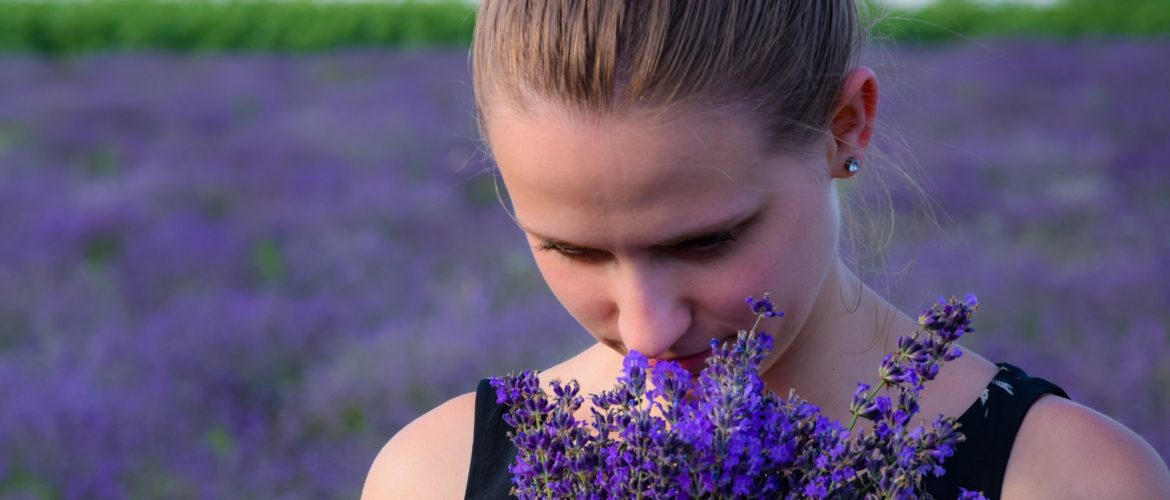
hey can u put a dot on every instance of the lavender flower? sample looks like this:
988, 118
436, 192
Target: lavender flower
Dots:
726, 436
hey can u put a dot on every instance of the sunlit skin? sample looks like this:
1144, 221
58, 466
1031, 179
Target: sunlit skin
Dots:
651, 233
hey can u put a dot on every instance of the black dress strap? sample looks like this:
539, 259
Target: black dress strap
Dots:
491, 451
990, 425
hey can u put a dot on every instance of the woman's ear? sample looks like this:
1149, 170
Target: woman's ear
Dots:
852, 119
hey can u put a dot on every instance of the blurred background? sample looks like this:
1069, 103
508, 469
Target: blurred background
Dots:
243, 243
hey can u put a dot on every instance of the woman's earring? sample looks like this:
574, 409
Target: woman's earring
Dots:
853, 165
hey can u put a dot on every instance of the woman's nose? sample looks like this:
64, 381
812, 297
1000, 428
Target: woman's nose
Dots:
652, 312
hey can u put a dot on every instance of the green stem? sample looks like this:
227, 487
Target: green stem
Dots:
759, 318
853, 421
883, 384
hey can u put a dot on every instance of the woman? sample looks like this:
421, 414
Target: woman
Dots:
668, 159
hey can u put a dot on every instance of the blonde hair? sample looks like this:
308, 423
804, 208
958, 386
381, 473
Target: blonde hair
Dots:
783, 61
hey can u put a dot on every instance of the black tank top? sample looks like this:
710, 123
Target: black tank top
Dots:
979, 463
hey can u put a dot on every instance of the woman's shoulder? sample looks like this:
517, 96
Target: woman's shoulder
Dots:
1067, 450
429, 458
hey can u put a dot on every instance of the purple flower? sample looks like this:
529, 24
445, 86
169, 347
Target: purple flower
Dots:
950, 319
726, 435
764, 307
970, 495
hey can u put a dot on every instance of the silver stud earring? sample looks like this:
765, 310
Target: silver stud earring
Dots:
853, 165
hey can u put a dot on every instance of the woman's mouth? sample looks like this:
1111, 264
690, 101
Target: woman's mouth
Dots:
694, 363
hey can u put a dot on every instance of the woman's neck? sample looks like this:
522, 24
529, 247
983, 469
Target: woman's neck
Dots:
845, 335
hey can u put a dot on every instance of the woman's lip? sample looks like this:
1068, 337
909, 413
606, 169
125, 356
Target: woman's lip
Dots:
702, 354
693, 363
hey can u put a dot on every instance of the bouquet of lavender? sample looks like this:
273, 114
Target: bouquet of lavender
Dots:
726, 436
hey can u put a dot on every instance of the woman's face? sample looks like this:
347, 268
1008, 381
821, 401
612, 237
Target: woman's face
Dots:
652, 233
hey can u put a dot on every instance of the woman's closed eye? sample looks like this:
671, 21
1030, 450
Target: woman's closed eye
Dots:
572, 252
705, 246
694, 248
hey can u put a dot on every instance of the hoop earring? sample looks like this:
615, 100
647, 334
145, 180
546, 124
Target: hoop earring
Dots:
853, 164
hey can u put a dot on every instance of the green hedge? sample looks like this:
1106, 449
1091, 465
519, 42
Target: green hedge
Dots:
951, 19
205, 26
68, 27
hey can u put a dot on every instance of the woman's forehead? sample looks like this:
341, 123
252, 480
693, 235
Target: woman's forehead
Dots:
550, 147
633, 179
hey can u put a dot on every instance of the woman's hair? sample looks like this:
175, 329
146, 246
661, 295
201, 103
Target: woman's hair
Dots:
781, 61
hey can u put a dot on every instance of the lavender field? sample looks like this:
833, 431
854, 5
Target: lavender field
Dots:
237, 276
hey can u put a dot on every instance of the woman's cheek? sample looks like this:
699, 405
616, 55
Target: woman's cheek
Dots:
763, 269
558, 274
581, 294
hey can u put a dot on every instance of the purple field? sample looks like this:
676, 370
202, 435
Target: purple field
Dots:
237, 276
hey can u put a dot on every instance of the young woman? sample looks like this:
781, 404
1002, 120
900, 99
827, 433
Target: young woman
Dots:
668, 159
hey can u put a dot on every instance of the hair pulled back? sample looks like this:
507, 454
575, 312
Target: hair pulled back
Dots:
781, 61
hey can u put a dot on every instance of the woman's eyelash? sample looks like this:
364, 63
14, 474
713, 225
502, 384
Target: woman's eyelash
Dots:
702, 246
556, 247
568, 251
709, 243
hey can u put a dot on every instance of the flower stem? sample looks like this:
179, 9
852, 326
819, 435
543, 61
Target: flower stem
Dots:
901, 356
